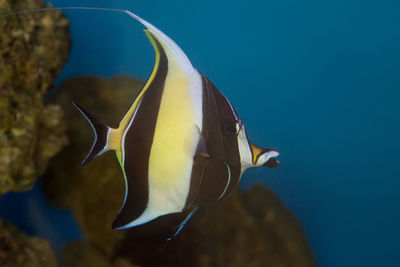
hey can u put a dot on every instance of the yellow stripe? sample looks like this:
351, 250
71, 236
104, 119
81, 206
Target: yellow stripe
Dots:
171, 155
255, 151
118, 154
116, 135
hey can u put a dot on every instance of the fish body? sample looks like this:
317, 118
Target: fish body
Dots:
181, 145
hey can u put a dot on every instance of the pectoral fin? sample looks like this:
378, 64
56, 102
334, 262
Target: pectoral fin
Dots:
210, 180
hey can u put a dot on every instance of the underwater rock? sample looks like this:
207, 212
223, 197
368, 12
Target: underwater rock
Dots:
33, 48
252, 228
249, 228
17, 249
83, 254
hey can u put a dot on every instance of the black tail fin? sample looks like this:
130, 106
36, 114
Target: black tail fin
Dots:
100, 135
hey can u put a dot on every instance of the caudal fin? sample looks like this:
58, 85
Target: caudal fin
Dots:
101, 132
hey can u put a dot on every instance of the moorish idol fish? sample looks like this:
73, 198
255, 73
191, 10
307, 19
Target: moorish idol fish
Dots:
181, 145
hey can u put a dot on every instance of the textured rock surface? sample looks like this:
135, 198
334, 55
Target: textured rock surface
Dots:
249, 228
33, 48
83, 254
246, 229
17, 249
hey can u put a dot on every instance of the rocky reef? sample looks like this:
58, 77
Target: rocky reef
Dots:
33, 48
17, 249
249, 228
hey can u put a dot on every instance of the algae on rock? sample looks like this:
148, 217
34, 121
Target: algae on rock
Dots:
84, 254
17, 249
33, 48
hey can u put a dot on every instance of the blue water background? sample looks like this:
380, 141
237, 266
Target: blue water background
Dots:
318, 80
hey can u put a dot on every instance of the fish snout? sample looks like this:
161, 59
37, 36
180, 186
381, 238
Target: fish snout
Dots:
265, 157
271, 163
268, 158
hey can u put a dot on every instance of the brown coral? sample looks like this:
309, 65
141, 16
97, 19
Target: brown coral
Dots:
17, 249
33, 48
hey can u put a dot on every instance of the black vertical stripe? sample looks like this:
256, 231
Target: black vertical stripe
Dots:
217, 113
138, 142
227, 115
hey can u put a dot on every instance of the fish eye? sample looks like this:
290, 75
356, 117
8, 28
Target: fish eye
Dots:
231, 128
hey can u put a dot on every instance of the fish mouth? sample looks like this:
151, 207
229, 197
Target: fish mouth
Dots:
272, 162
